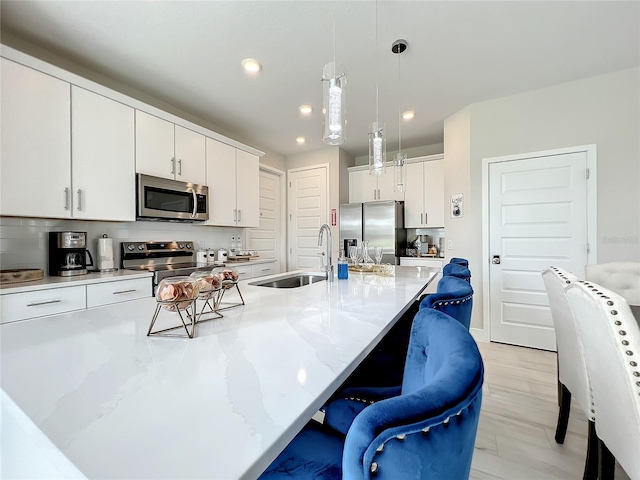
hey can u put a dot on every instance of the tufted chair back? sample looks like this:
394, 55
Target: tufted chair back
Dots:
621, 277
454, 297
572, 368
460, 261
428, 431
455, 270
611, 340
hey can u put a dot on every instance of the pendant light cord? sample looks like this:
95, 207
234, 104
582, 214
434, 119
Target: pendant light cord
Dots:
399, 116
376, 57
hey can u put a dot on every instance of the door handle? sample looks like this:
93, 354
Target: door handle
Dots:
195, 201
496, 260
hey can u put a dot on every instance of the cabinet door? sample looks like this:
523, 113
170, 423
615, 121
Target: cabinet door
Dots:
221, 180
434, 193
414, 196
248, 189
387, 186
362, 186
154, 146
35, 143
103, 148
190, 161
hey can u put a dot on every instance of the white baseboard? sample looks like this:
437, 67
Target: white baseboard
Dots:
480, 334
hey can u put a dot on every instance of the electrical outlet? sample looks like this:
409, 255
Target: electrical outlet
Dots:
449, 244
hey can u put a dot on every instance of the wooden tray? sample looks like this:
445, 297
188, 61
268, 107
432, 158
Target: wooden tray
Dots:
20, 275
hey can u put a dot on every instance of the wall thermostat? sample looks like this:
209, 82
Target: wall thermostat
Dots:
456, 206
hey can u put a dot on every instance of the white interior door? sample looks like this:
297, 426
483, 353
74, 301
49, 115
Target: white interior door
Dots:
267, 238
537, 219
308, 210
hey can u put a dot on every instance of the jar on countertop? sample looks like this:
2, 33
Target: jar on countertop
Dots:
177, 293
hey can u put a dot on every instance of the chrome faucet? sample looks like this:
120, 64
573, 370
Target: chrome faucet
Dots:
328, 269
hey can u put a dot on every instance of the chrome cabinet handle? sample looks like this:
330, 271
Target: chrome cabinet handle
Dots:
421, 217
235, 215
425, 218
66, 198
195, 201
125, 291
239, 215
43, 303
265, 269
180, 167
378, 194
79, 200
173, 165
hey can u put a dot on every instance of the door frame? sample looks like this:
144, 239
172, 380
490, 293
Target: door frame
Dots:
282, 249
328, 187
592, 217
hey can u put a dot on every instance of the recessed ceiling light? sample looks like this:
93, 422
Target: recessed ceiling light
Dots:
305, 109
301, 139
408, 115
251, 66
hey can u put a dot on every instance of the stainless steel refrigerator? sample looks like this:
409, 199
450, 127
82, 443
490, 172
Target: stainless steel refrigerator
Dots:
382, 223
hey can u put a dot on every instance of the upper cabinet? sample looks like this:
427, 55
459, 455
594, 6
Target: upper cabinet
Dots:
102, 148
233, 178
166, 150
364, 187
46, 123
424, 198
36, 143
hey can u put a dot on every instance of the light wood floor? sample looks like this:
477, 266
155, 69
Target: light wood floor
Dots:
515, 437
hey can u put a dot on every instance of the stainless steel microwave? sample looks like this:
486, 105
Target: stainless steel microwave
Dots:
170, 200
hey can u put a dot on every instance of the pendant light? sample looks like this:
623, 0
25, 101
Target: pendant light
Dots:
334, 81
400, 159
377, 137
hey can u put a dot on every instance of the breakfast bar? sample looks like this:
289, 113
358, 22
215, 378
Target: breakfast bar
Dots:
120, 404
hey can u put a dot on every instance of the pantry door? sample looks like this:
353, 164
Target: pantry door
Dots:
538, 217
308, 206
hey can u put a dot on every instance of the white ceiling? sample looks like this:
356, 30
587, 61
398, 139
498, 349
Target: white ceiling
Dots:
188, 54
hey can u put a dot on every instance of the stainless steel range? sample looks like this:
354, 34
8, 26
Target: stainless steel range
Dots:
164, 259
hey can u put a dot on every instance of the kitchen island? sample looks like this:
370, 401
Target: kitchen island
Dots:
222, 405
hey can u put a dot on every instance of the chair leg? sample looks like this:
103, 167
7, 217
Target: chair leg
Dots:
563, 414
591, 463
606, 462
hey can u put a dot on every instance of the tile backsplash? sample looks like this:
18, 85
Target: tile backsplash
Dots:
24, 241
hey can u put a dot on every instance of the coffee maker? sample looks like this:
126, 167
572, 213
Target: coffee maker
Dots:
68, 254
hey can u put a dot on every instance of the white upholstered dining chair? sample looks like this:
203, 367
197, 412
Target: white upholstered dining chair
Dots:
621, 277
572, 369
610, 337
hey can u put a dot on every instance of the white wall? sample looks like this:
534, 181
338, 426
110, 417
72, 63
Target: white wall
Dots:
602, 110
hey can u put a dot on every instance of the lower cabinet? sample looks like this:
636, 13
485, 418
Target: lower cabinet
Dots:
254, 270
57, 300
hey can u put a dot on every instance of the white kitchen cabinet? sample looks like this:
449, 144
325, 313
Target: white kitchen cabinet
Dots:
35, 143
102, 148
41, 303
107, 293
262, 269
424, 198
233, 178
364, 187
166, 150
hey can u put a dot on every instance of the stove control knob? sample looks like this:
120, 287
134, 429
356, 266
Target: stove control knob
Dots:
130, 248
180, 245
140, 247
188, 245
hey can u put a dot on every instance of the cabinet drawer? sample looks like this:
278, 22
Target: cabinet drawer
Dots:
420, 262
20, 306
115, 292
263, 269
243, 270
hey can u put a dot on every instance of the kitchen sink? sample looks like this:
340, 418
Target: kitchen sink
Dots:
291, 280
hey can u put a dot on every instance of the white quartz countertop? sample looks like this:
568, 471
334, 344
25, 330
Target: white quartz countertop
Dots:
119, 404
53, 282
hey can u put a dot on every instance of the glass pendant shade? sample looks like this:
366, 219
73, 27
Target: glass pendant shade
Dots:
400, 172
377, 148
334, 81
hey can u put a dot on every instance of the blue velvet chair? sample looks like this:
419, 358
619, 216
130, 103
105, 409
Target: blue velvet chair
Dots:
453, 297
455, 270
423, 429
460, 261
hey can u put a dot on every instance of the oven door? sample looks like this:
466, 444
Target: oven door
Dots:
164, 199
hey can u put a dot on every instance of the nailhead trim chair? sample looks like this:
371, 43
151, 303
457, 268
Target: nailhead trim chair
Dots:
460, 261
621, 277
572, 368
454, 297
610, 337
424, 429
455, 270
